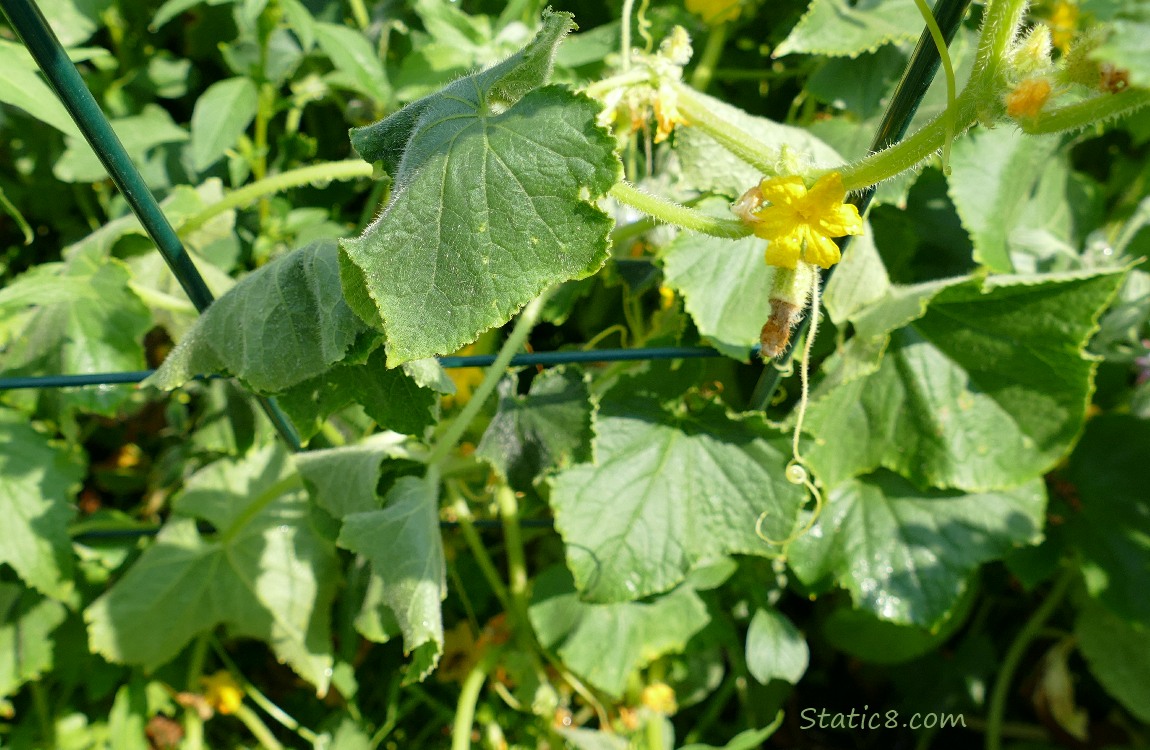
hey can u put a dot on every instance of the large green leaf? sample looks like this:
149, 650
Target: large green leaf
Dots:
548, 428
494, 202
726, 286
1111, 526
987, 389
281, 325
993, 173
668, 491
1119, 656
905, 554
841, 28
605, 643
268, 573
85, 320
405, 548
37, 482
26, 624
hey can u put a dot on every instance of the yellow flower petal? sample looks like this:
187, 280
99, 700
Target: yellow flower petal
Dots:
840, 220
222, 692
784, 252
783, 191
821, 250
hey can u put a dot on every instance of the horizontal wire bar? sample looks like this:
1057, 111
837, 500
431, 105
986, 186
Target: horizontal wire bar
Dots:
546, 359
143, 531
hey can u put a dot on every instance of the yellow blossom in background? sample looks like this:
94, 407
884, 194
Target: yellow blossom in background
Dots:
660, 698
1028, 98
715, 11
1063, 24
799, 223
666, 297
222, 692
466, 380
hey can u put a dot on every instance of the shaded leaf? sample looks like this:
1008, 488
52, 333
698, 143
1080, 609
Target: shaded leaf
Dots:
1111, 526
667, 492
987, 389
269, 573
405, 548
1118, 653
605, 643
281, 325
776, 650
26, 645
905, 554
391, 397
548, 428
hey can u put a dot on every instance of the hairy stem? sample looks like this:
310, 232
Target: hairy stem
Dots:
338, 170
673, 213
498, 368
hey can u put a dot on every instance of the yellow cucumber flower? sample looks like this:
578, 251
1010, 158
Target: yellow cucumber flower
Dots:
222, 692
798, 223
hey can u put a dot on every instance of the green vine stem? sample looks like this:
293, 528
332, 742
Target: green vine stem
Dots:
516, 559
673, 213
730, 136
350, 169
193, 723
251, 691
709, 60
1089, 112
258, 729
997, 706
478, 550
468, 697
527, 319
948, 69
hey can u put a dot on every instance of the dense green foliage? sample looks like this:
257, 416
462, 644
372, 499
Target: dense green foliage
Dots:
595, 556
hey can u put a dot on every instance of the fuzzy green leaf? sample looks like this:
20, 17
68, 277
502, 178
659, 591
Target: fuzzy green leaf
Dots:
391, 397
494, 202
26, 646
905, 554
405, 548
605, 643
85, 320
987, 389
269, 573
281, 325
547, 429
37, 482
840, 28
667, 492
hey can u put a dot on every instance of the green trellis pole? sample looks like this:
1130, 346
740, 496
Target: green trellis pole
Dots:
49, 54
